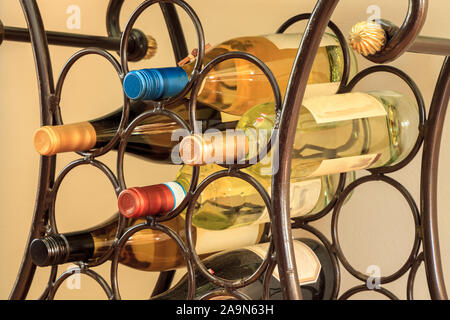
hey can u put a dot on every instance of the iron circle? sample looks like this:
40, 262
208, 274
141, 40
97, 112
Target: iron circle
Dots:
335, 221
188, 219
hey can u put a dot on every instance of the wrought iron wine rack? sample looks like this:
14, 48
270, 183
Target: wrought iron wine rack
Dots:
130, 43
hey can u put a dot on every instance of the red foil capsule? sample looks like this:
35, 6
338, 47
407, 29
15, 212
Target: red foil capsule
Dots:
139, 202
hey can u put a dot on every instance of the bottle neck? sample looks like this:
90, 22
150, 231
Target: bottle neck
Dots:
74, 246
59, 249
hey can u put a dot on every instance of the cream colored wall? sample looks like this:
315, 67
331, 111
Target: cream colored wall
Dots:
375, 227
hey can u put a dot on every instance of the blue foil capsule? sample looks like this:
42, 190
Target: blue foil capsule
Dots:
155, 84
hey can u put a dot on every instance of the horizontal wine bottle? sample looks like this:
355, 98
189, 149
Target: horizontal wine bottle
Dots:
227, 202
151, 139
337, 133
314, 267
236, 85
147, 250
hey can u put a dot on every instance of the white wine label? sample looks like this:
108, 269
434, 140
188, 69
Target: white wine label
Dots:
178, 192
346, 164
347, 106
321, 89
303, 196
233, 238
308, 265
292, 40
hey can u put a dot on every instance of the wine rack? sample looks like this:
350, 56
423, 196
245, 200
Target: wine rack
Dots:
425, 249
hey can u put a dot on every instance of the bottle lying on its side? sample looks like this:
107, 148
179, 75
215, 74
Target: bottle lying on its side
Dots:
227, 202
314, 266
148, 250
337, 133
151, 140
236, 85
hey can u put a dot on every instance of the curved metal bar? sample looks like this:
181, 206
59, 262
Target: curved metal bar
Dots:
421, 110
180, 51
405, 36
340, 36
412, 277
276, 93
47, 164
94, 275
229, 284
138, 41
268, 277
200, 37
126, 102
150, 224
2, 32
113, 18
332, 252
176, 34
415, 213
363, 288
429, 184
121, 153
281, 224
52, 202
51, 280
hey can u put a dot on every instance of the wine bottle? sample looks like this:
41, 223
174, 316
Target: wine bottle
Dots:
236, 85
151, 139
227, 202
314, 267
148, 250
337, 133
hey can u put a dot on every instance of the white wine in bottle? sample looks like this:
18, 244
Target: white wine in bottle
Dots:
337, 133
236, 85
150, 140
148, 250
227, 202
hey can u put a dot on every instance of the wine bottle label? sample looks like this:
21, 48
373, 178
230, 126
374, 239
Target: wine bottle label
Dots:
331, 166
292, 40
233, 238
321, 89
303, 195
342, 107
178, 193
308, 265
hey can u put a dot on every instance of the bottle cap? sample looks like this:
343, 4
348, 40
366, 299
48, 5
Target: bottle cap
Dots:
49, 140
150, 200
221, 148
154, 84
48, 251
367, 37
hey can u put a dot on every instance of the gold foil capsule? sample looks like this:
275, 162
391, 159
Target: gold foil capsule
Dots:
152, 47
367, 38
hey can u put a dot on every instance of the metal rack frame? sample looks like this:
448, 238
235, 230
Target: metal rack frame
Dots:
281, 250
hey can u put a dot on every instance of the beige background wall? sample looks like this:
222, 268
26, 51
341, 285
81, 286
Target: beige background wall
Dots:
375, 227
